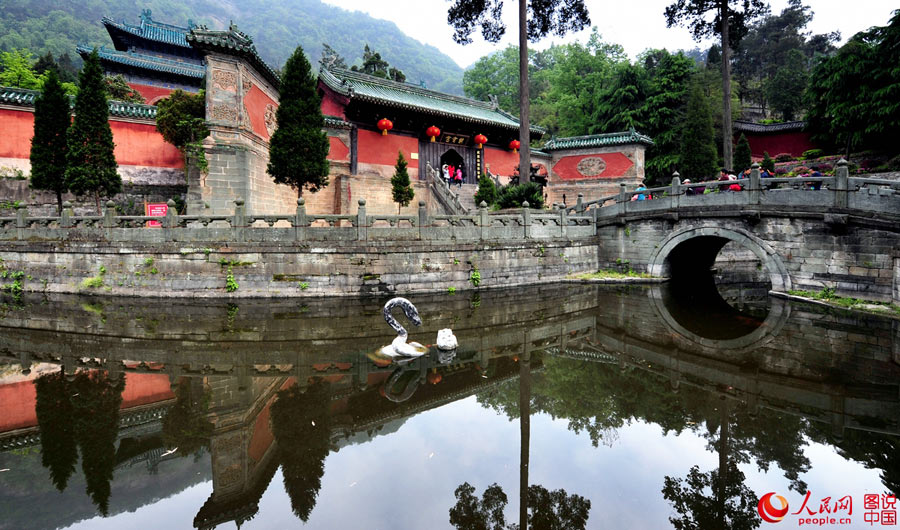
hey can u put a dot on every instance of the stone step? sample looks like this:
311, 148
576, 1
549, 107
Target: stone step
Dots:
466, 196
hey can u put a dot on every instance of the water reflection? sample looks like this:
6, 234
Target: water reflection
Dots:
239, 392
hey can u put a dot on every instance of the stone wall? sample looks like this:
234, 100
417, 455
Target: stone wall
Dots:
292, 270
155, 185
621, 164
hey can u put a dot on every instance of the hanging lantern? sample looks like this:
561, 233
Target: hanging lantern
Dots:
385, 125
432, 132
514, 145
434, 378
480, 139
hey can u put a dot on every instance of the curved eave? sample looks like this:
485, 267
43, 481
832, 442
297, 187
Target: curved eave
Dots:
334, 122
134, 32
597, 140
21, 97
443, 114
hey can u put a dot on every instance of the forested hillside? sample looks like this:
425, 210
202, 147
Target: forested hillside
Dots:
276, 27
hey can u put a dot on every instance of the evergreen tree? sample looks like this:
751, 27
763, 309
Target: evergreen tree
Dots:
117, 88
401, 190
298, 150
742, 155
52, 117
180, 119
767, 162
698, 148
331, 58
91, 163
487, 192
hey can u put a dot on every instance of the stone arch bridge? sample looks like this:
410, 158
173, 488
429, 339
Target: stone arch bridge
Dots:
807, 233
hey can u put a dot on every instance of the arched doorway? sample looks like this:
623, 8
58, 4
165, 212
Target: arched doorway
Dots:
452, 158
435, 153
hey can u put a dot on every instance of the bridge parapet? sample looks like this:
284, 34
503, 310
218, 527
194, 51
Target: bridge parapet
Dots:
869, 196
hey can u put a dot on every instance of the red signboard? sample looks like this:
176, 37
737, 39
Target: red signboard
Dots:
156, 210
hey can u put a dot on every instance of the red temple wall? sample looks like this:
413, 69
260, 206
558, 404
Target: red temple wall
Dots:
502, 161
331, 106
616, 166
790, 142
17, 400
18, 128
337, 150
374, 148
262, 437
139, 144
256, 102
152, 94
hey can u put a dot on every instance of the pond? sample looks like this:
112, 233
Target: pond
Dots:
564, 406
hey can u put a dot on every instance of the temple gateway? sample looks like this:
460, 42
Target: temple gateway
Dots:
368, 121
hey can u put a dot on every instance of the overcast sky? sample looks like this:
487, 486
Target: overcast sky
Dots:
635, 24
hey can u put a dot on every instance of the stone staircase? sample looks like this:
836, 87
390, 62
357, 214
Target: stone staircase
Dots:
466, 196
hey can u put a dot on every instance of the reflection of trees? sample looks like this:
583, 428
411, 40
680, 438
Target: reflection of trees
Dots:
300, 424
708, 500
874, 450
83, 412
55, 415
185, 425
547, 510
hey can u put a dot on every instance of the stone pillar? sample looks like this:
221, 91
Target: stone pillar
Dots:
65, 220
675, 193
526, 219
300, 221
21, 221
755, 183
423, 220
623, 199
841, 184
361, 221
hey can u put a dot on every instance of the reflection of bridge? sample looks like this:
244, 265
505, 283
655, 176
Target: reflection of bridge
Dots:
790, 366
845, 235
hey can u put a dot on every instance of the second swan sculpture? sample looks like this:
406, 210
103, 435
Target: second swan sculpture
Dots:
399, 347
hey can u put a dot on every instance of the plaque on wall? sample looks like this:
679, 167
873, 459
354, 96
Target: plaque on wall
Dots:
456, 139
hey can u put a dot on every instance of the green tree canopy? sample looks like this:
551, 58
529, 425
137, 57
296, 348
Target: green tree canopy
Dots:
90, 160
52, 117
374, 65
487, 192
298, 150
118, 89
181, 120
698, 150
742, 154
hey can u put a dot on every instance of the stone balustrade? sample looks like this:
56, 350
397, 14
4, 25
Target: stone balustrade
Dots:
523, 223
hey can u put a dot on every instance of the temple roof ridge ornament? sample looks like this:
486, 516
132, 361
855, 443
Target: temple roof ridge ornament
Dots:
232, 42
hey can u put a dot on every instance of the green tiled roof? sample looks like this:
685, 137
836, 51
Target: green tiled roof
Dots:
336, 123
357, 85
21, 97
598, 140
152, 30
147, 62
232, 42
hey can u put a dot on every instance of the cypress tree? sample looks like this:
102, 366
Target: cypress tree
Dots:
767, 162
742, 155
487, 192
698, 147
52, 117
401, 189
298, 150
90, 158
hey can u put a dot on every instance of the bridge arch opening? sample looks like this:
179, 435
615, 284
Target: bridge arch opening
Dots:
722, 301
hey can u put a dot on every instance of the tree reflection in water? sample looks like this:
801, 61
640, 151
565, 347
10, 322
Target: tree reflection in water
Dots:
82, 412
301, 426
547, 510
186, 426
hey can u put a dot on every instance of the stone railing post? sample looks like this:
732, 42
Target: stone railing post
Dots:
21, 220
300, 221
595, 211
755, 183
423, 220
171, 220
65, 219
563, 221
841, 184
238, 220
623, 200
109, 215
579, 204
526, 219
361, 221
484, 222
675, 192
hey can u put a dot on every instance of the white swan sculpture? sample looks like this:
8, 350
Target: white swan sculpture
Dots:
399, 347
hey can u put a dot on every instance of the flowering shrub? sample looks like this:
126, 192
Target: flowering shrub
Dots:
813, 153
800, 170
824, 167
783, 157
781, 171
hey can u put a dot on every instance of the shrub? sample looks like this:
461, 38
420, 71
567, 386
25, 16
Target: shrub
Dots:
781, 171
784, 157
813, 153
823, 167
487, 192
514, 196
799, 170
767, 162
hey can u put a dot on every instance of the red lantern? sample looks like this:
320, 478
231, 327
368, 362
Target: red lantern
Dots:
385, 125
432, 132
434, 378
480, 140
514, 145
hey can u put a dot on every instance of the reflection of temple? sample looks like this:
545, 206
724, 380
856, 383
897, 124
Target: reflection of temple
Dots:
241, 358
